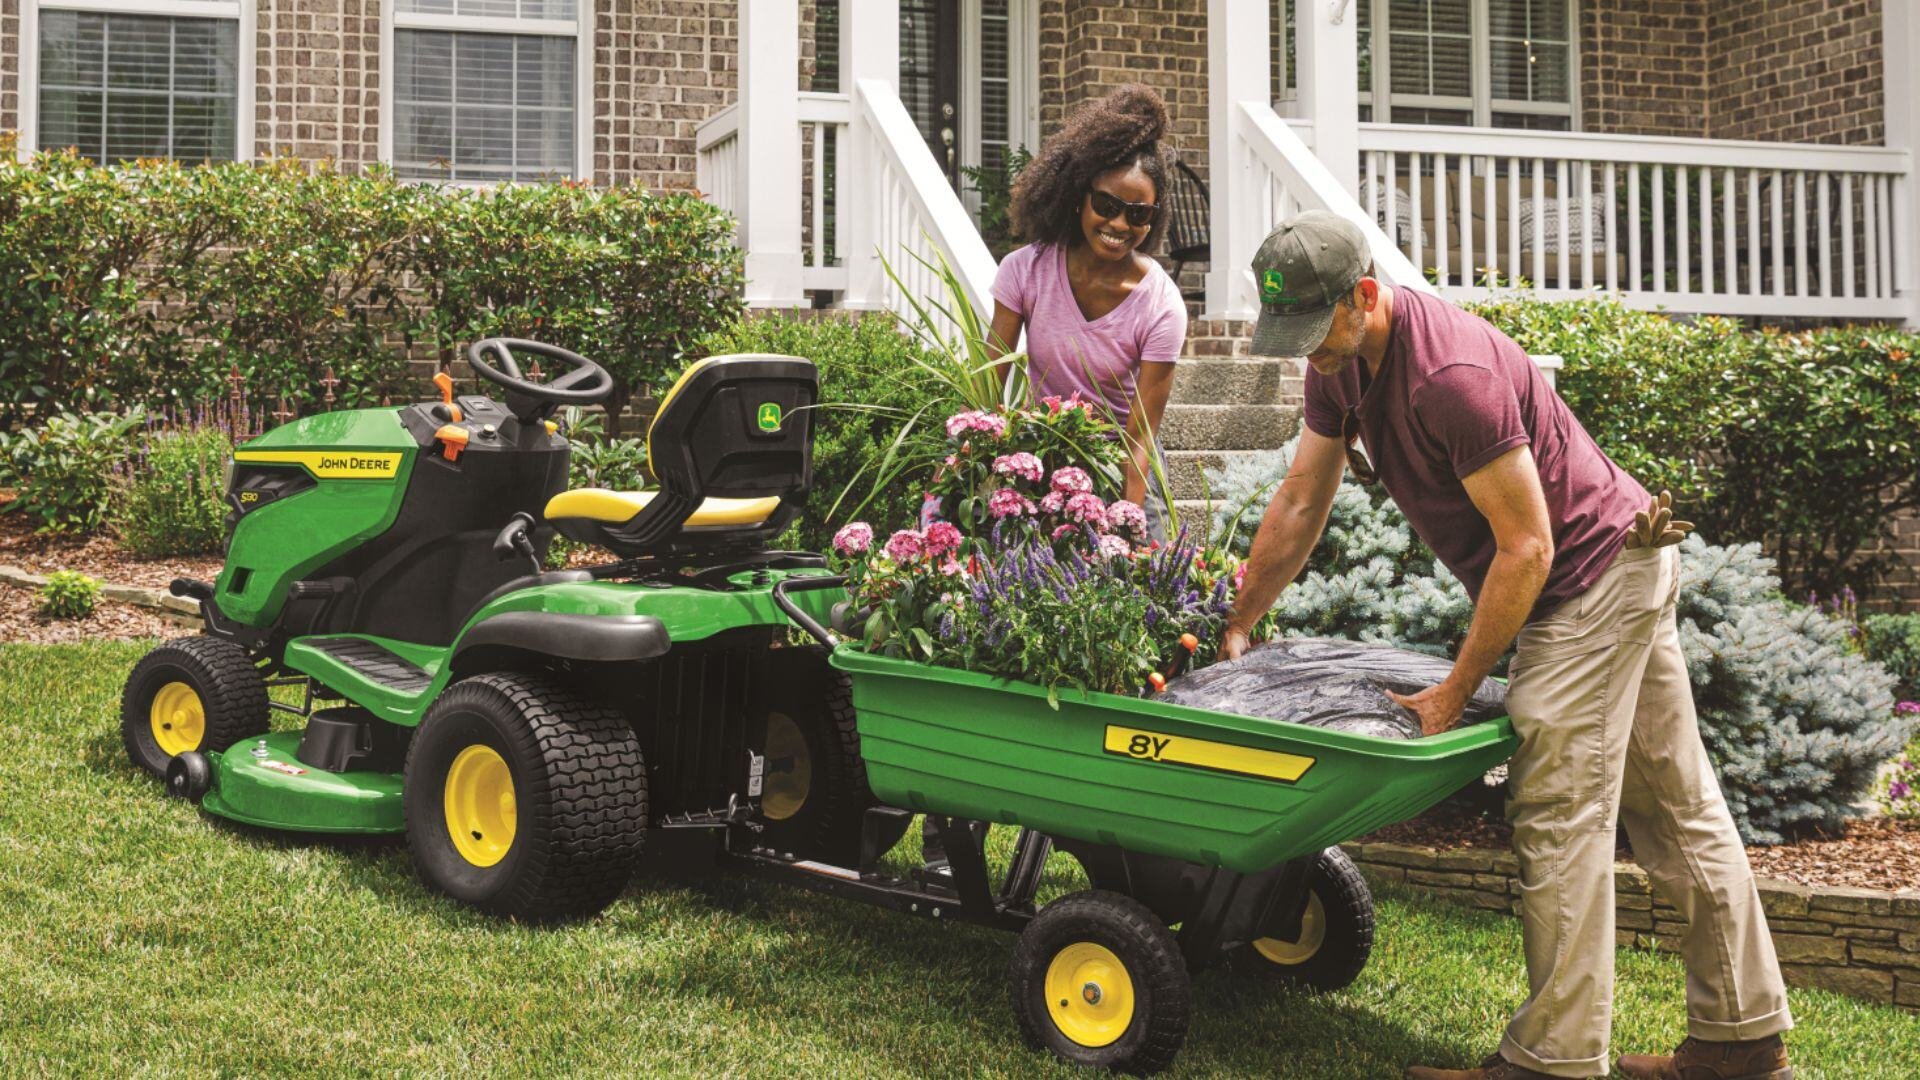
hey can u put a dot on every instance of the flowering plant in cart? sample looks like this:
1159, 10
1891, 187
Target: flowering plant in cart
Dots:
1013, 449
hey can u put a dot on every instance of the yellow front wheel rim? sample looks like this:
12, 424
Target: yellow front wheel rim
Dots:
789, 769
481, 812
1089, 994
1313, 934
178, 719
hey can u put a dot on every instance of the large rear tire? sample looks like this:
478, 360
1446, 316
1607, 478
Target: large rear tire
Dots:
525, 799
815, 796
1336, 932
196, 693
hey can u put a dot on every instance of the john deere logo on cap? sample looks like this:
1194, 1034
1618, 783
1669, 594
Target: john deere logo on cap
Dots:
1272, 283
770, 416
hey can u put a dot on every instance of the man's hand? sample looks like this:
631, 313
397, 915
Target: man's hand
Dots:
1438, 707
1233, 644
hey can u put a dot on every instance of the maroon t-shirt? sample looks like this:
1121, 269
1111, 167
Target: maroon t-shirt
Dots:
1453, 394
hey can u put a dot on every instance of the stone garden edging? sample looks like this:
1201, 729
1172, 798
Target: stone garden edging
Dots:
177, 609
1860, 942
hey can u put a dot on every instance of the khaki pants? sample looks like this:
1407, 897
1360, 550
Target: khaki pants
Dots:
1601, 702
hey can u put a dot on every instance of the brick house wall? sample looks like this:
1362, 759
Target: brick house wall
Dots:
1643, 67
317, 81
9, 65
1796, 71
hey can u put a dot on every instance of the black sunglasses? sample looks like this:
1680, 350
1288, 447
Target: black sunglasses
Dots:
1357, 461
1112, 206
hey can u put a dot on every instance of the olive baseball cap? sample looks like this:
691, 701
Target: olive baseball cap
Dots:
1303, 268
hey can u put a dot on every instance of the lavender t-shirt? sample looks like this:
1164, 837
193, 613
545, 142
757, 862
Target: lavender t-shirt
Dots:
1099, 360
1453, 394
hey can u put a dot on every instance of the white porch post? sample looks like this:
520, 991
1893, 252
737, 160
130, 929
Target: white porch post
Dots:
1327, 45
1900, 43
769, 183
869, 51
1238, 69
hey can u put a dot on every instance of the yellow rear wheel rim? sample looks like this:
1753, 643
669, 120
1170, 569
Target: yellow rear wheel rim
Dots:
1089, 994
789, 769
178, 719
1313, 934
481, 812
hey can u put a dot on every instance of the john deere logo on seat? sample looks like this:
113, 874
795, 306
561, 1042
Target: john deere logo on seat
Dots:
770, 416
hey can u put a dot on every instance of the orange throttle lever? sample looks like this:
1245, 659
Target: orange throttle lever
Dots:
453, 439
445, 382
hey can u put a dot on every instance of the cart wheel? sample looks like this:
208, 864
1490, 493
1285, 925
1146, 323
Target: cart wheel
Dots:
1099, 981
194, 693
815, 792
1336, 932
525, 799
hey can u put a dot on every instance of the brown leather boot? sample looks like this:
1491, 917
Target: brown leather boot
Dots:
1698, 1059
1494, 1068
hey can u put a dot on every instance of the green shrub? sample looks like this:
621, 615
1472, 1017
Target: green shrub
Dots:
1805, 442
1795, 721
68, 594
170, 500
871, 386
1894, 641
64, 468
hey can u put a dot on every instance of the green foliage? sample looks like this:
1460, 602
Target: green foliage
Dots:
64, 468
170, 499
875, 393
68, 594
1795, 720
1894, 642
995, 188
1805, 442
150, 282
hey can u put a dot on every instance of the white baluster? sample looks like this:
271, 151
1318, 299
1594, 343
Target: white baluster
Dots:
1730, 248
1488, 192
1586, 223
1566, 225
1633, 226
1887, 211
1659, 228
1466, 221
1613, 234
1825, 201
1800, 233
1846, 235
1513, 221
1440, 242
1754, 256
1681, 223
1706, 230
1870, 211
1416, 209
1539, 224
1777, 229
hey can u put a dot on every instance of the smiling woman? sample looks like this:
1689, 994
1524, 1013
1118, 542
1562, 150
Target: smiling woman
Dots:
1102, 320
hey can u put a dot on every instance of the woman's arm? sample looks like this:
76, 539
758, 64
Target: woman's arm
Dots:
1004, 336
1152, 387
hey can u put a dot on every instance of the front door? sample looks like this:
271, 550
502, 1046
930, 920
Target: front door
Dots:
930, 77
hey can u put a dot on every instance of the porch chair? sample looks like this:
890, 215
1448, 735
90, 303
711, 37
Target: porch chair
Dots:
1189, 237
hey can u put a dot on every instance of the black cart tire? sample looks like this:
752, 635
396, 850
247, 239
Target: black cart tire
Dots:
1098, 981
197, 694
1336, 933
814, 794
525, 799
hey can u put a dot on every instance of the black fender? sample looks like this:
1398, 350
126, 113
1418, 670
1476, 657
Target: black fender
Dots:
566, 636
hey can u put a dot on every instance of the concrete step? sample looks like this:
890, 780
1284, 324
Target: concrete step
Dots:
1184, 471
1231, 381
1228, 427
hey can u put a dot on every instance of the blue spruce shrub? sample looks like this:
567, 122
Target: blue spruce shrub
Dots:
1795, 723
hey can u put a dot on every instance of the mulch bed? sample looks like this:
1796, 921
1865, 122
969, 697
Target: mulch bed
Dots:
97, 556
1875, 853
110, 621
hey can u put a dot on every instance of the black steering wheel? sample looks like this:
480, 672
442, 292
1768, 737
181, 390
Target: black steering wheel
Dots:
584, 383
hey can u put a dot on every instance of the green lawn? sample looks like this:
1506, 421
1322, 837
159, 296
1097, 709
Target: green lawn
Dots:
137, 935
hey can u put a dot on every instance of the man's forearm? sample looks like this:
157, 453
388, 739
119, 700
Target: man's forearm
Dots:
1280, 549
1513, 585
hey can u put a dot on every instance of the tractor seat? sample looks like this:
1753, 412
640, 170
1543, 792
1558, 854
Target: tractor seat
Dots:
732, 448
619, 507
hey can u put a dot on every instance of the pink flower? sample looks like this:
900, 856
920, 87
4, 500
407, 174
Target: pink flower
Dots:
1007, 502
1052, 402
906, 545
1907, 707
1113, 546
952, 568
941, 537
962, 422
1022, 465
1898, 790
1053, 502
952, 460
1127, 517
1063, 531
1087, 509
1072, 480
853, 538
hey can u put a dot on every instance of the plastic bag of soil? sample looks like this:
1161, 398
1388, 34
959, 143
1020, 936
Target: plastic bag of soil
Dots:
1328, 683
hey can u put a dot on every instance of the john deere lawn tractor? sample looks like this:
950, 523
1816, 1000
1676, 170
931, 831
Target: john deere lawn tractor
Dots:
524, 728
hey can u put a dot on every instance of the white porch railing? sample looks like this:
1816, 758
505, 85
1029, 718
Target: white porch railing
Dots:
717, 160
1695, 225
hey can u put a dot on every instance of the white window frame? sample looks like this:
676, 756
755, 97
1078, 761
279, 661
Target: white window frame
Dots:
579, 28
244, 16
1482, 105
1023, 82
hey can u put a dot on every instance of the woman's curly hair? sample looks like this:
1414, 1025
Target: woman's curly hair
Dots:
1120, 130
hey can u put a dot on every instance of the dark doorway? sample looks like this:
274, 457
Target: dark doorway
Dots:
930, 77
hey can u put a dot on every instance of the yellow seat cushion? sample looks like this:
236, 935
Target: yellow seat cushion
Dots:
617, 507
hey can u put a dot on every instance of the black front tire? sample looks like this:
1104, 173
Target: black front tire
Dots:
1336, 934
1097, 949
573, 817
199, 694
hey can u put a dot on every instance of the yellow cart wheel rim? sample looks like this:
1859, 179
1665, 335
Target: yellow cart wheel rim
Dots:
178, 719
789, 769
481, 812
1313, 934
1089, 994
